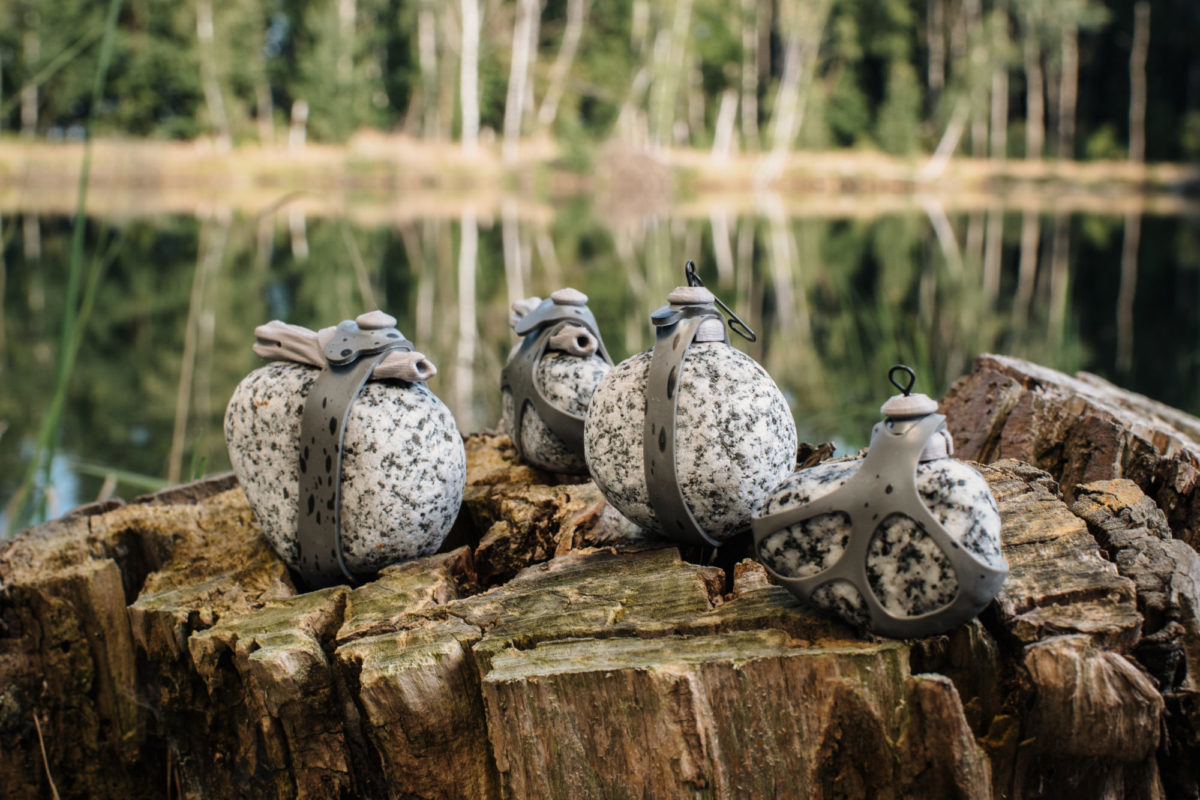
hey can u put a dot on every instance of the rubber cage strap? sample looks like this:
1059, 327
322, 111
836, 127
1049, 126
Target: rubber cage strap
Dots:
676, 329
519, 375
322, 434
886, 484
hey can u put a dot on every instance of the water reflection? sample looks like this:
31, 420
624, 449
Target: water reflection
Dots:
836, 300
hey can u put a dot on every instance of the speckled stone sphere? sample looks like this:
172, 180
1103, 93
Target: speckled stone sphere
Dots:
568, 382
906, 569
403, 465
735, 439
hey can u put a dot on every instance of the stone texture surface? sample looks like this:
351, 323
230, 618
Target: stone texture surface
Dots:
1079, 429
403, 465
906, 569
163, 644
735, 438
567, 382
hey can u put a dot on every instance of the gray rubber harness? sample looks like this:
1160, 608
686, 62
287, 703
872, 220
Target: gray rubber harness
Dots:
519, 376
351, 355
886, 484
675, 327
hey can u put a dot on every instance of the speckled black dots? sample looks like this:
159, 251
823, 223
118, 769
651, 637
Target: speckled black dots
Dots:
399, 497
735, 439
906, 570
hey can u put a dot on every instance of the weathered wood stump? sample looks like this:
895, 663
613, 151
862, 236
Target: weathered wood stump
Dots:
553, 651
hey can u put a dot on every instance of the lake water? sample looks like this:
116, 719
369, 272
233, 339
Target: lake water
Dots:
837, 296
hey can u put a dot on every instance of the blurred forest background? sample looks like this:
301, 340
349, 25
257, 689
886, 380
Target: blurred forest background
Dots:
1015, 78
864, 182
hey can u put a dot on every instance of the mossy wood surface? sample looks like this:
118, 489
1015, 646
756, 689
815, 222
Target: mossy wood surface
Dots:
162, 650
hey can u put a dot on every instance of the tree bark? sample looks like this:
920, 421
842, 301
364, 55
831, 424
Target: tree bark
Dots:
1080, 429
749, 19
554, 650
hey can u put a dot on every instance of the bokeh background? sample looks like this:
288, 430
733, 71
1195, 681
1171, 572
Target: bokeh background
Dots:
863, 182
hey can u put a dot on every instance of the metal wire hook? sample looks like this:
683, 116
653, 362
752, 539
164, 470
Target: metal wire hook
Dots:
912, 378
735, 322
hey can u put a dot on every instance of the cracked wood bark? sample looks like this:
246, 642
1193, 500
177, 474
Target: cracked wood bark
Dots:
553, 651
1079, 429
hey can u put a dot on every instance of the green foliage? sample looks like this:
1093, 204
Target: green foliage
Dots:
871, 81
898, 129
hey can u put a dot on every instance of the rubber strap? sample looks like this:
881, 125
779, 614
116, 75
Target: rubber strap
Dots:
519, 375
886, 484
322, 434
675, 330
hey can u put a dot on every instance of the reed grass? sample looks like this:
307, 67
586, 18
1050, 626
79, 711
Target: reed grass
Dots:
27, 502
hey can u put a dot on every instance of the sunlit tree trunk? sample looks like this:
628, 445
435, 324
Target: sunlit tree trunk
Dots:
1137, 82
524, 53
469, 78
1035, 104
576, 14
805, 25
1068, 90
670, 57
723, 131
31, 44
936, 35
208, 74
750, 16
999, 111
427, 59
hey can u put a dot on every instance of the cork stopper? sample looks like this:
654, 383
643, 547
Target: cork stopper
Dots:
375, 320
904, 406
569, 297
690, 295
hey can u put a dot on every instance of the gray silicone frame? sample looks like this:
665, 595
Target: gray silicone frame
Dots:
891, 463
675, 329
352, 354
519, 375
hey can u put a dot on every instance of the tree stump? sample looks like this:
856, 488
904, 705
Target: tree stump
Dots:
555, 651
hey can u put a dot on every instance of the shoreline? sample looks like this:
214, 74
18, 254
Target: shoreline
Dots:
378, 179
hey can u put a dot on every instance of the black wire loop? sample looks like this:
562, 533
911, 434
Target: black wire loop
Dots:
735, 322
912, 378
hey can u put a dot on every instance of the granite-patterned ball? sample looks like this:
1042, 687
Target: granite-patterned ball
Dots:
735, 439
403, 465
906, 569
568, 382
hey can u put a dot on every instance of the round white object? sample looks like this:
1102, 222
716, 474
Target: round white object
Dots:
735, 439
403, 465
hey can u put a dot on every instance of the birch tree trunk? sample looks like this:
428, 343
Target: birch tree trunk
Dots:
1035, 104
427, 57
936, 35
524, 53
670, 56
576, 14
31, 44
805, 25
750, 56
999, 113
469, 78
1137, 81
208, 74
1068, 91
